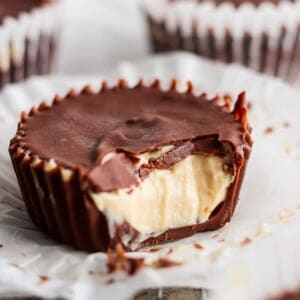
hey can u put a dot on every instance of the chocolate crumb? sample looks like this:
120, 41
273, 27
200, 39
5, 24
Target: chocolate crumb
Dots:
165, 263
246, 241
117, 260
286, 124
133, 265
198, 246
249, 105
43, 278
269, 130
110, 281
91, 272
1, 245
155, 249
170, 251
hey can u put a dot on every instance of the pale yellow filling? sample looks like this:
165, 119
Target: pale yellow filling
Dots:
185, 195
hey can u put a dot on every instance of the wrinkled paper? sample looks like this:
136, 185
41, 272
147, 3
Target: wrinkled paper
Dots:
255, 255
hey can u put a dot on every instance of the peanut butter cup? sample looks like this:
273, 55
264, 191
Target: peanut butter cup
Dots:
260, 34
29, 35
137, 166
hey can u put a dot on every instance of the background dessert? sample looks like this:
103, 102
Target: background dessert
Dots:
29, 32
263, 35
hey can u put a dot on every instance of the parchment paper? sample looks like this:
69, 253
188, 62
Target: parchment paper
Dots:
255, 255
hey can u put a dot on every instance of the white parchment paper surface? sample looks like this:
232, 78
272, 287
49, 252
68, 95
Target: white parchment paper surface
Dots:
267, 213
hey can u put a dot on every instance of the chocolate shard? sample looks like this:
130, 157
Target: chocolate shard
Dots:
167, 160
116, 173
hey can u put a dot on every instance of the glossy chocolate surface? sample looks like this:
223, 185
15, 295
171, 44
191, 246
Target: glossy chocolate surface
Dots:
81, 130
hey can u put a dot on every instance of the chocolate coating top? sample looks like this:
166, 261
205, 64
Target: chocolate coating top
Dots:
12, 8
83, 128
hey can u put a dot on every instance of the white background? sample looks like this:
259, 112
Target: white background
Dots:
99, 33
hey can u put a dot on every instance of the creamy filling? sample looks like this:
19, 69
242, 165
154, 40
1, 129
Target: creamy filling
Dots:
184, 195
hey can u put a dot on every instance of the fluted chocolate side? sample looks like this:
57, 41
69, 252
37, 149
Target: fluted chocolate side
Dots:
58, 205
38, 59
273, 59
29, 42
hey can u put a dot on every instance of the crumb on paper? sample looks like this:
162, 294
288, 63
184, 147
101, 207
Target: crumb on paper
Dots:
43, 278
117, 260
265, 228
286, 124
1, 245
198, 246
286, 213
110, 281
155, 249
249, 105
170, 251
268, 130
246, 241
90, 272
164, 263
221, 241
287, 149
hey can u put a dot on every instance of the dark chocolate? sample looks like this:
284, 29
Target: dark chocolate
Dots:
273, 58
80, 130
39, 53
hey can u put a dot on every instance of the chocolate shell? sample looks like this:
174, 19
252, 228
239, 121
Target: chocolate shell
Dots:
55, 173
